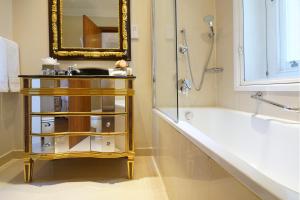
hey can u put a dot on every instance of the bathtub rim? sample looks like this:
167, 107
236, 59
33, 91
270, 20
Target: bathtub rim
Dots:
263, 186
261, 116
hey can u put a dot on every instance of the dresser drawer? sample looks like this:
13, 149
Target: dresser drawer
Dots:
62, 124
94, 104
63, 144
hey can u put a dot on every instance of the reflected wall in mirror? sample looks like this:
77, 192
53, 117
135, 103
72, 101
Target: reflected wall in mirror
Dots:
269, 48
89, 29
90, 24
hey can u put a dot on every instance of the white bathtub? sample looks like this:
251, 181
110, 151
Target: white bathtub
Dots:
261, 152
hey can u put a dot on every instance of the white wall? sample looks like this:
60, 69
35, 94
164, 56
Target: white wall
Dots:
6, 29
10, 107
229, 98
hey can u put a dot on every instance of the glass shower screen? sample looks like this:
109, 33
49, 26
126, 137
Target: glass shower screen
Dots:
165, 57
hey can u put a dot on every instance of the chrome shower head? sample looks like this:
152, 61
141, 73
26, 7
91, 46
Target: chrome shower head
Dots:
209, 20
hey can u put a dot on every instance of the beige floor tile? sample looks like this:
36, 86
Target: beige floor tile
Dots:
84, 179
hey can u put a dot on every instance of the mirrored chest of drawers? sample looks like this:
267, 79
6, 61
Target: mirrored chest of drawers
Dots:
77, 117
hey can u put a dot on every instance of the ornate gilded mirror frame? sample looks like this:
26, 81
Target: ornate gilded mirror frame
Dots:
63, 53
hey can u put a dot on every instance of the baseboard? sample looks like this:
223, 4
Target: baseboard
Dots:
143, 151
15, 154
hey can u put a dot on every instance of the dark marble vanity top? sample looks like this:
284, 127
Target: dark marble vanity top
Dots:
76, 76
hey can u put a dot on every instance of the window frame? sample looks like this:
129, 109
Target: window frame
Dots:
240, 84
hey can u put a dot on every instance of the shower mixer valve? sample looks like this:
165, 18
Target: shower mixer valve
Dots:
183, 49
184, 86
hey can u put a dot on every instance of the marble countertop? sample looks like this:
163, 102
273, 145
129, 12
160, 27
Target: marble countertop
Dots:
76, 76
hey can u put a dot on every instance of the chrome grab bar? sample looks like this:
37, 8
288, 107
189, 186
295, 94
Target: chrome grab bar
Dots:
259, 96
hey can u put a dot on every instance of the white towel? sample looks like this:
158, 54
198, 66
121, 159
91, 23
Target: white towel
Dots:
13, 66
10, 49
3, 66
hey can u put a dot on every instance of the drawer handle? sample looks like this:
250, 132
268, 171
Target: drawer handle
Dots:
107, 124
46, 124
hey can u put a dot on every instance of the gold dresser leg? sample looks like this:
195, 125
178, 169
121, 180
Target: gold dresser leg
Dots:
130, 166
28, 170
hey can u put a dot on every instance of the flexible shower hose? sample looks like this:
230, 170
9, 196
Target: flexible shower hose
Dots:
212, 38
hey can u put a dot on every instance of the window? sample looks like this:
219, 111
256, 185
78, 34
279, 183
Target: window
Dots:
267, 43
289, 24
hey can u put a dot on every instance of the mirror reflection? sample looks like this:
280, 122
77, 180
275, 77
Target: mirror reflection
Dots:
90, 24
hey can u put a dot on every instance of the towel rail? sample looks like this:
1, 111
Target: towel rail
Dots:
259, 96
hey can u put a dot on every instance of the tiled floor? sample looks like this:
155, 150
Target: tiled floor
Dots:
82, 179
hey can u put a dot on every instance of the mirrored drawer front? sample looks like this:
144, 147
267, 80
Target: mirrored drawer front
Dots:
108, 143
79, 83
67, 144
94, 104
97, 124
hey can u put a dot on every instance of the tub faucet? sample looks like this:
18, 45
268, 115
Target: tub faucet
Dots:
184, 86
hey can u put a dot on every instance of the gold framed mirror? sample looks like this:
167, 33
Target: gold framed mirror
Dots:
89, 29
